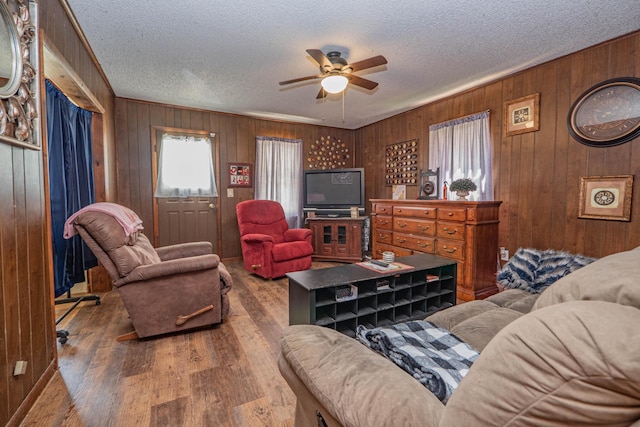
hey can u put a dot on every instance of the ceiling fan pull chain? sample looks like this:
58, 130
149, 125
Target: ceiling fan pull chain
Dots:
343, 106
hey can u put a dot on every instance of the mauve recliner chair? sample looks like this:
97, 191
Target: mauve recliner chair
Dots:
169, 289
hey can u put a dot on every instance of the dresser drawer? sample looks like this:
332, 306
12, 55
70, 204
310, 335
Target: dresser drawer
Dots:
414, 226
450, 249
451, 230
417, 243
430, 213
453, 214
383, 236
384, 222
381, 209
398, 252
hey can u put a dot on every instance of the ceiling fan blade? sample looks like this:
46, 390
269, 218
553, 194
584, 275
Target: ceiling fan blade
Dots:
320, 58
300, 79
359, 81
322, 93
368, 63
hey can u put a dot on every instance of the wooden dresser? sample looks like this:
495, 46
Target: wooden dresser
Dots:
466, 232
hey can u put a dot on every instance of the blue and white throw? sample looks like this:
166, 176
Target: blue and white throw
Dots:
432, 355
534, 270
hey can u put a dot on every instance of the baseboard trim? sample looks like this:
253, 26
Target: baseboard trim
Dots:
33, 395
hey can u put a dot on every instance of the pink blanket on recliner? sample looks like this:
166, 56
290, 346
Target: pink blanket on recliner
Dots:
127, 218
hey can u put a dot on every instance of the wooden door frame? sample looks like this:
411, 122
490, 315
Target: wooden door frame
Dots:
154, 171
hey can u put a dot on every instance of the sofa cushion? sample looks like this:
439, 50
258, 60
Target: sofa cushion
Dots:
614, 278
479, 330
451, 316
534, 270
476, 322
571, 364
346, 378
515, 299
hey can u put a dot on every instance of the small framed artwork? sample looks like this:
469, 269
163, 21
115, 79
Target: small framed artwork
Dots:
522, 115
240, 174
606, 197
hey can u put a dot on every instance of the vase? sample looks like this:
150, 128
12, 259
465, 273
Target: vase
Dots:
462, 194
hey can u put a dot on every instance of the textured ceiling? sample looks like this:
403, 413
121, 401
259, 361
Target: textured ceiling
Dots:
229, 56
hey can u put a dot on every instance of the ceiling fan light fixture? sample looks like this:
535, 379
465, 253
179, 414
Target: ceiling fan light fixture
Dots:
334, 83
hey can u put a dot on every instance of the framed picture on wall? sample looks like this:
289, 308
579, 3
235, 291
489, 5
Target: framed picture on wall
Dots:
606, 197
240, 174
522, 115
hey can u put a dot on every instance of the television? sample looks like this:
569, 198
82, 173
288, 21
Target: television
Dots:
333, 192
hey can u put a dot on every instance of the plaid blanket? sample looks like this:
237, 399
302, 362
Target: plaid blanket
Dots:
432, 355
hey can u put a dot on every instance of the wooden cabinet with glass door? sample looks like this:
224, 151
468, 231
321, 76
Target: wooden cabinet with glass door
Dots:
337, 239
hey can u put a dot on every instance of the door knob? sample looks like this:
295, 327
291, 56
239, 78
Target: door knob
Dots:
212, 205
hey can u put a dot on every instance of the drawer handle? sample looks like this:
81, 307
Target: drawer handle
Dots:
422, 228
384, 222
450, 251
446, 230
401, 240
399, 210
401, 224
450, 214
382, 237
423, 245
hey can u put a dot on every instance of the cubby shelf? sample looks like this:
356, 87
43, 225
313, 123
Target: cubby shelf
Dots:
406, 295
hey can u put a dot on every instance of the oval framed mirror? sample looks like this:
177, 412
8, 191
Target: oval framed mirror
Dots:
10, 54
19, 74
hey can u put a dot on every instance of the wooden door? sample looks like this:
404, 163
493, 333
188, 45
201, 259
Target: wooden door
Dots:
190, 219
182, 220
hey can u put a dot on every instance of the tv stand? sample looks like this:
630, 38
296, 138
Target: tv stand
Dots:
337, 238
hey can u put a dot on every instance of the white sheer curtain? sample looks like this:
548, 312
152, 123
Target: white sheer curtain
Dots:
461, 148
185, 167
279, 175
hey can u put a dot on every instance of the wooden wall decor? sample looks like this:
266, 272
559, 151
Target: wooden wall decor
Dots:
606, 197
328, 153
401, 163
522, 115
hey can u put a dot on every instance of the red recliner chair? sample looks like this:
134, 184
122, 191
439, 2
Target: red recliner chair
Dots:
269, 248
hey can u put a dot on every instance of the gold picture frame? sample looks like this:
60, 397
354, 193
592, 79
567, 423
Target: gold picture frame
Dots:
522, 115
606, 197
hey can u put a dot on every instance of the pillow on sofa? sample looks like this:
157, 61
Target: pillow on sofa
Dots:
533, 270
574, 364
613, 278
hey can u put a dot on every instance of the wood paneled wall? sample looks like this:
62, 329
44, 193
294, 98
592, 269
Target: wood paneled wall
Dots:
26, 306
537, 174
235, 136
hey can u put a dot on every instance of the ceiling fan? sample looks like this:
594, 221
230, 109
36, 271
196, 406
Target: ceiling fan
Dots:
336, 72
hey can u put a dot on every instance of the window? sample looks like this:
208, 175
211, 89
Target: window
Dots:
185, 167
461, 148
279, 175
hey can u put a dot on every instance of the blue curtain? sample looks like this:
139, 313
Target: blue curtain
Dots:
70, 184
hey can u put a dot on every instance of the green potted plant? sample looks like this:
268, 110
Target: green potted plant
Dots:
462, 187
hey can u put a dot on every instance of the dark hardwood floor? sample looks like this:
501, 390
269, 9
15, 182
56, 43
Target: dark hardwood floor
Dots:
222, 376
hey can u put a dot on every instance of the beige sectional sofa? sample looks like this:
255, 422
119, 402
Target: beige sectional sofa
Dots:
568, 356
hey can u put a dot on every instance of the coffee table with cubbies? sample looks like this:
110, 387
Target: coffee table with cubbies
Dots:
346, 296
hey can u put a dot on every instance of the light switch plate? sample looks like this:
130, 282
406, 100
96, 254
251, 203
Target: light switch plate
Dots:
229, 192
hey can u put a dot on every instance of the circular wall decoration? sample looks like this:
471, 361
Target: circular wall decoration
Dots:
607, 114
328, 153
